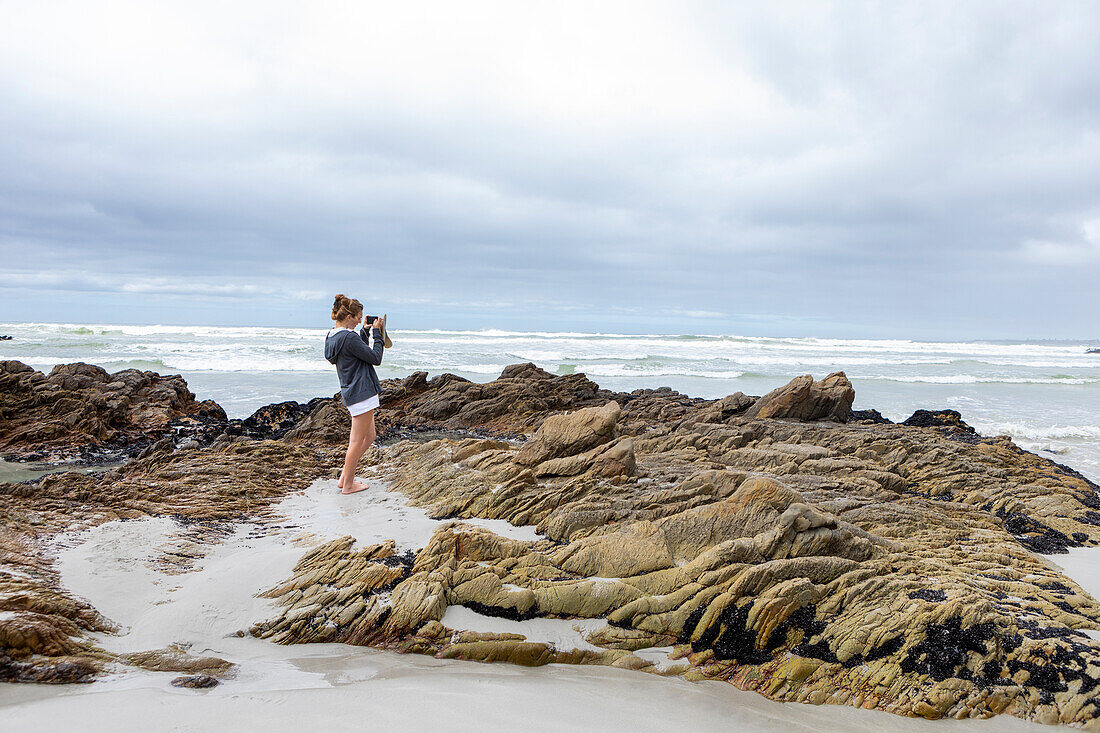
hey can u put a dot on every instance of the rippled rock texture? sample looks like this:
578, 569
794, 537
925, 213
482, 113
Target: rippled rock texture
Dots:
810, 559
784, 544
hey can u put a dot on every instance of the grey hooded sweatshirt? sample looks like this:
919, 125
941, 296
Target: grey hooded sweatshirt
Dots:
355, 356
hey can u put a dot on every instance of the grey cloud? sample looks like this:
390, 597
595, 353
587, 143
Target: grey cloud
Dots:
930, 156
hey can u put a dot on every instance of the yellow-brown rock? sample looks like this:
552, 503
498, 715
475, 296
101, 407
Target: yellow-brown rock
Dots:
571, 433
769, 542
878, 565
805, 399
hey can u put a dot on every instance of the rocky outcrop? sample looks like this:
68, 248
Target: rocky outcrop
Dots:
523, 396
195, 681
80, 412
753, 580
328, 423
781, 544
175, 659
229, 481
571, 433
79, 407
804, 399
274, 421
951, 420
729, 406
44, 630
338, 593
514, 403
872, 564
581, 442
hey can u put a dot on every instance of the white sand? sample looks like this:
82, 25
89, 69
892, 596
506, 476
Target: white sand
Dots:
369, 516
1082, 564
525, 533
380, 692
659, 655
563, 634
337, 687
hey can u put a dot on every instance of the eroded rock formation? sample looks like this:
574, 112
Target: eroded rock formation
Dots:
783, 544
79, 406
870, 564
804, 399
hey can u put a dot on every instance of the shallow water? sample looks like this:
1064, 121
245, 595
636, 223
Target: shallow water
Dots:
14, 471
1083, 565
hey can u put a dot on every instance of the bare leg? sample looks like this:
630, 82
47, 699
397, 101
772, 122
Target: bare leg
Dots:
354, 439
362, 435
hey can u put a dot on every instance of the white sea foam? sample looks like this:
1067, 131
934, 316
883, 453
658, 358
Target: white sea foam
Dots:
1045, 432
972, 379
257, 349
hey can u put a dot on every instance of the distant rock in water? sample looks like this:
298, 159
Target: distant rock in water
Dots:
1090, 351
869, 416
950, 420
938, 419
5, 338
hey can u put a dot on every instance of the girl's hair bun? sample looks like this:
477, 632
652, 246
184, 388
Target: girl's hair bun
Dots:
343, 306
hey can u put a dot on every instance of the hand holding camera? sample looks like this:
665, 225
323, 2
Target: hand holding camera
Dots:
378, 322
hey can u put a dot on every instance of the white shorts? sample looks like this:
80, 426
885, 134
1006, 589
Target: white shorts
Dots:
365, 406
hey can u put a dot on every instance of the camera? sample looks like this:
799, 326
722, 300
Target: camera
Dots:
370, 319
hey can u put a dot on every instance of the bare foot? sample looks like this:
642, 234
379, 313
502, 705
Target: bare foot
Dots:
340, 483
356, 487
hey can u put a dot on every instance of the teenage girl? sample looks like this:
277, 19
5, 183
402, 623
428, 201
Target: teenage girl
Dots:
355, 355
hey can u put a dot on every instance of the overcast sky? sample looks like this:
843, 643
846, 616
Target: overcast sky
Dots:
897, 170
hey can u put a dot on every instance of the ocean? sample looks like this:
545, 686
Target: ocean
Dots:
1045, 394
